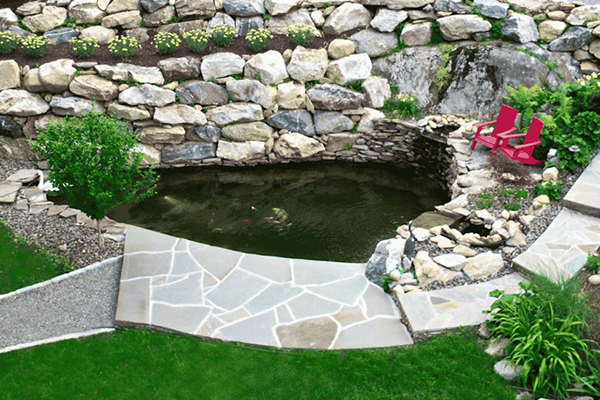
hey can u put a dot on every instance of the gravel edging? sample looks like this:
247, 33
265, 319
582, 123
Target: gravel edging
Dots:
83, 300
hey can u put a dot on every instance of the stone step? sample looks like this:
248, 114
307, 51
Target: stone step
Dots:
584, 194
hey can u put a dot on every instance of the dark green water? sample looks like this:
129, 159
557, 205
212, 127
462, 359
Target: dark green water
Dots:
335, 212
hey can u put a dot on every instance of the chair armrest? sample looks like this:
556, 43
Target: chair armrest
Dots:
503, 134
522, 146
482, 124
507, 136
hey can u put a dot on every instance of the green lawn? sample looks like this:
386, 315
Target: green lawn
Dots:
21, 264
141, 364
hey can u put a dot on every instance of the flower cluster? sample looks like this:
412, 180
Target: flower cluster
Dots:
196, 40
258, 39
123, 46
8, 42
223, 35
84, 47
300, 34
36, 46
166, 42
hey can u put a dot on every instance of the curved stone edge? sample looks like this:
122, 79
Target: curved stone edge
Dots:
56, 339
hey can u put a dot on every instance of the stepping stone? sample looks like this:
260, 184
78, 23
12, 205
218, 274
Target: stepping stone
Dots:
56, 209
455, 262
580, 196
69, 212
23, 176
8, 192
36, 208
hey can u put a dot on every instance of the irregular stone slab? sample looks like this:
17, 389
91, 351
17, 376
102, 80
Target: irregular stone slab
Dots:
331, 122
125, 19
21, 103
291, 95
278, 25
341, 141
130, 72
203, 93
349, 315
578, 198
244, 24
346, 17
387, 20
334, 97
345, 291
249, 90
29, 8
454, 262
308, 64
218, 262
62, 35
310, 272
573, 39
374, 43
151, 155
315, 333
280, 7
182, 292
195, 8
244, 8
220, 19
160, 17
23, 176
378, 332
187, 152
235, 112
258, 131
457, 27
379, 303
50, 17
350, 69
148, 95
8, 192
257, 329
119, 111
116, 6
101, 34
219, 65
11, 76
491, 8
180, 318
174, 69
579, 15
85, 12
241, 151
520, 28
483, 265
158, 134
271, 297
416, 34
70, 105
94, 87
153, 5
308, 305
273, 268
269, 66
133, 304
376, 91
299, 121
236, 289
57, 75
208, 133
176, 114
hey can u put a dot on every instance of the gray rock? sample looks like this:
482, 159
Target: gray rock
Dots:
187, 152
131, 72
235, 112
29, 8
269, 66
219, 65
70, 105
85, 13
153, 5
374, 43
350, 69
579, 15
57, 75
257, 131
177, 114
244, 24
334, 97
307, 64
332, 122
62, 35
8, 127
174, 69
181, 27
127, 113
339, 48
101, 34
8, 19
346, 17
385, 258
451, 6
299, 121
369, 118
125, 19
195, 8
208, 133
161, 135
151, 156
280, 7
279, 25
341, 141
538, 51
117, 6
296, 145
200, 92
249, 90
520, 28
416, 34
507, 370
376, 91
220, 19
573, 39
244, 8
148, 95
483, 265
240, 151
160, 17
566, 65
457, 27
386, 20
10, 76
50, 17
21, 103
551, 30
491, 8
291, 95
412, 70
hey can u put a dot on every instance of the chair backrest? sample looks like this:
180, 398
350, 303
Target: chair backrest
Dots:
506, 120
533, 134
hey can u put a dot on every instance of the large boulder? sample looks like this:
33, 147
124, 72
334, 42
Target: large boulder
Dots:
386, 258
451, 6
127, 113
50, 17
32, 82
85, 13
334, 97
94, 87
296, 145
369, 119
236, 151
29, 8
346, 17
21, 103
148, 95
10, 76
258, 131
219, 65
61, 35
161, 135
579, 15
350, 69
235, 112
207, 133
374, 43
153, 5
57, 75
491, 8
520, 28
244, 8
243, 25
249, 90
130, 72
307, 64
269, 66
387, 20
71, 106
125, 19
200, 92
278, 25
299, 121
551, 30
483, 265
280, 7
160, 17
341, 141
291, 95
174, 69
101, 34
9, 19
457, 27
376, 90
177, 114
117, 6
332, 122
195, 8
573, 39
416, 34
339, 48
187, 152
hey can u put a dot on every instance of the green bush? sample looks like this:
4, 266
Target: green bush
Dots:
403, 105
591, 383
223, 35
356, 86
123, 47
484, 201
36, 46
552, 189
593, 263
258, 39
386, 281
300, 34
197, 40
8, 42
84, 47
166, 42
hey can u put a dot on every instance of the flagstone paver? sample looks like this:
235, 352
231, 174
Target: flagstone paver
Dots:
580, 197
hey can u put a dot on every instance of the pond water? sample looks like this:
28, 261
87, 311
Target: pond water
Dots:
325, 211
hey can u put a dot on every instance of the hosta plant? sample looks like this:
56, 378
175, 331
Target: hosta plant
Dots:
36, 46
196, 40
166, 42
223, 35
300, 34
84, 47
258, 39
8, 42
124, 47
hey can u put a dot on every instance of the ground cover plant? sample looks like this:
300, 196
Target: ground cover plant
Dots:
131, 363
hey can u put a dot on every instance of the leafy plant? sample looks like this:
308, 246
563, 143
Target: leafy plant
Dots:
591, 383
512, 206
386, 281
310, 84
356, 86
196, 40
8, 42
552, 189
593, 263
36, 46
521, 194
223, 35
166, 42
123, 47
402, 104
300, 34
93, 164
484, 201
266, 16
258, 39
436, 34
84, 47
442, 75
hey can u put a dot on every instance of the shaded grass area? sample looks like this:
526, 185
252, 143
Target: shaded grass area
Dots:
143, 364
23, 264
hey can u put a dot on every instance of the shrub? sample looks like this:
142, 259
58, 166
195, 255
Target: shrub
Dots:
84, 47
552, 189
512, 206
123, 46
36, 46
402, 104
300, 34
166, 42
484, 201
591, 383
223, 35
196, 40
386, 281
258, 39
356, 86
593, 263
8, 42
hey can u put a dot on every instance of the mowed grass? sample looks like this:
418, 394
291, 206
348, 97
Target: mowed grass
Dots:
22, 264
143, 364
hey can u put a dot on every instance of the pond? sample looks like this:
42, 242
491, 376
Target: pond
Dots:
326, 211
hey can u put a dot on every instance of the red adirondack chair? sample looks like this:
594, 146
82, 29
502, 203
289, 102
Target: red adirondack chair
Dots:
503, 125
522, 152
